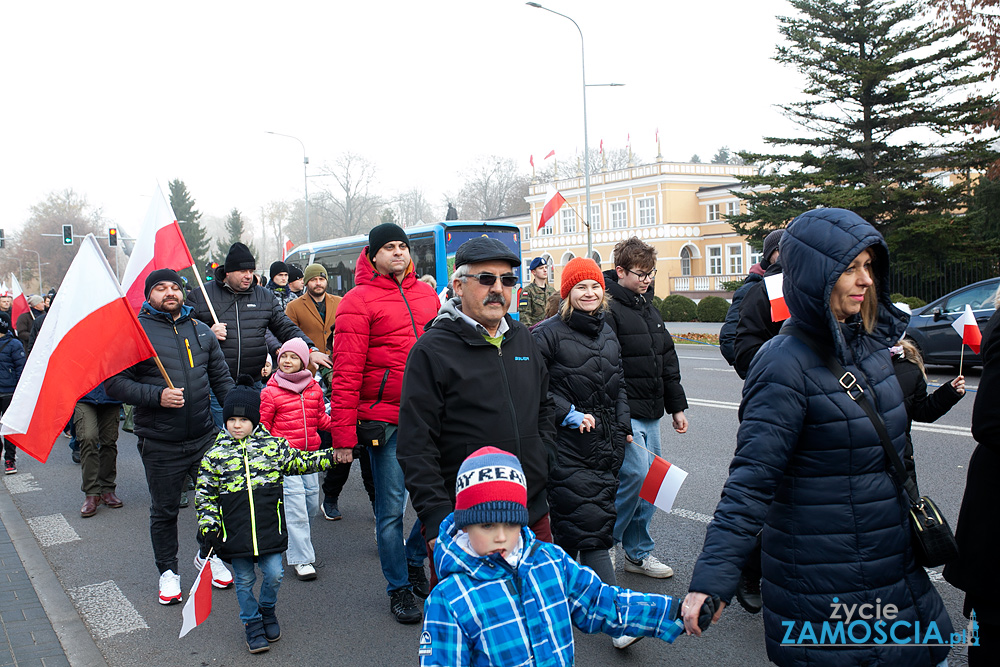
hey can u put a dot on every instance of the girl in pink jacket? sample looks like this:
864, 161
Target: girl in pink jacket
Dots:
291, 406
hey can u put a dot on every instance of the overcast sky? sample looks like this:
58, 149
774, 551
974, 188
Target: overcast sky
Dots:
109, 98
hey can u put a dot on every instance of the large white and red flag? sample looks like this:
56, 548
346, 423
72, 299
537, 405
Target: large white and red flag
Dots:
286, 248
158, 245
199, 602
662, 483
775, 285
89, 334
20, 304
553, 202
968, 329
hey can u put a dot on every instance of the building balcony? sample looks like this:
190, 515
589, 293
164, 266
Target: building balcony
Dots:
698, 287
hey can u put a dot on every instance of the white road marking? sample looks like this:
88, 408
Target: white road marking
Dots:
21, 483
713, 404
106, 609
680, 356
724, 370
934, 576
694, 516
52, 529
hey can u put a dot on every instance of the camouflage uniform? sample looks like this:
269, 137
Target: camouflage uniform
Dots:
531, 307
240, 491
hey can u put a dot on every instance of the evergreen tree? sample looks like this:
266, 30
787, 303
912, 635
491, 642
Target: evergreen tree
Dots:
877, 70
189, 219
234, 234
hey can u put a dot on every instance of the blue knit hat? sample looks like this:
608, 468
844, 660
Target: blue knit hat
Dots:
490, 488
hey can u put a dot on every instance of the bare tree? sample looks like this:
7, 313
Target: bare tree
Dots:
273, 218
493, 188
353, 208
412, 208
612, 160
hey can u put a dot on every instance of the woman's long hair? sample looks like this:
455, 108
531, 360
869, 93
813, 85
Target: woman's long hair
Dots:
912, 353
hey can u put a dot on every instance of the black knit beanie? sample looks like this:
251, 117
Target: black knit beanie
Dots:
771, 242
162, 276
276, 268
294, 273
243, 400
4, 322
385, 233
239, 259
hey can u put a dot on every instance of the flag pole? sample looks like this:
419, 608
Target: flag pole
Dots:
163, 371
201, 285
961, 359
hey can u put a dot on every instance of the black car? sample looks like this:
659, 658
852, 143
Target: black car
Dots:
930, 327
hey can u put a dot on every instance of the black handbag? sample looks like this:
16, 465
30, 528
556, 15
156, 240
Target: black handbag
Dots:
371, 433
933, 542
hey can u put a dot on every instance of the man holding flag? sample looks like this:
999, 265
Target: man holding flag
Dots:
173, 420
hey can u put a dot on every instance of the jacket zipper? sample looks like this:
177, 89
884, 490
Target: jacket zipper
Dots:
187, 374
239, 341
278, 509
253, 516
305, 427
381, 389
510, 401
413, 322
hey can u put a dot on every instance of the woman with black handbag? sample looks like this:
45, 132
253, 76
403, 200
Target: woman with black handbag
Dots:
811, 469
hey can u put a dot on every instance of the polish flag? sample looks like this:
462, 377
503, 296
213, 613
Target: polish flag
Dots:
89, 334
554, 200
662, 483
551, 153
158, 245
776, 295
287, 248
20, 305
531, 161
199, 602
968, 329
601, 149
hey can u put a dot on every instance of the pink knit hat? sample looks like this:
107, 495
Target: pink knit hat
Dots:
298, 347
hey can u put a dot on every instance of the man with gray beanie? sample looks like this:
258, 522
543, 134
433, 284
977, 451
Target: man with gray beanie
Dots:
36, 306
174, 426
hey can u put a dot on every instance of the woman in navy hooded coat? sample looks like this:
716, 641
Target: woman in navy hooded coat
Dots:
810, 468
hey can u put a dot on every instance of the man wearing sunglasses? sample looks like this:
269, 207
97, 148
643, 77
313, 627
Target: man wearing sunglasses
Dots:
475, 378
653, 383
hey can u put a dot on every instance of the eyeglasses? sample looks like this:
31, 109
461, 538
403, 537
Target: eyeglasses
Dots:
488, 279
643, 276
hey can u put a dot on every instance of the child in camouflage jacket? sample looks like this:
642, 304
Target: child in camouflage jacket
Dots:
240, 506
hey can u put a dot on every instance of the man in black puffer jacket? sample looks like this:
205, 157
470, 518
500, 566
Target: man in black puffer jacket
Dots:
174, 426
653, 383
246, 311
727, 335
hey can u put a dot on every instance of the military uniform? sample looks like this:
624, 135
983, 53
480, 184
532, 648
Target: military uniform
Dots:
531, 307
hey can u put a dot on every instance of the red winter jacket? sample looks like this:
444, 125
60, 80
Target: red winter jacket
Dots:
378, 322
295, 417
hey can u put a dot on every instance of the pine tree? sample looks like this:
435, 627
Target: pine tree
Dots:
877, 70
190, 223
234, 234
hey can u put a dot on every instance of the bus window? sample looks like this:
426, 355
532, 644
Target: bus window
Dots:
339, 264
422, 254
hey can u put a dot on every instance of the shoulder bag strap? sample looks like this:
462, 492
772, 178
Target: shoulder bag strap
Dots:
852, 385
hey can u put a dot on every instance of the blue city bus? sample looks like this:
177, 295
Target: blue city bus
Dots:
432, 249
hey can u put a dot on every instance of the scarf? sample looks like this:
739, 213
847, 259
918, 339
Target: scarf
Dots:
297, 381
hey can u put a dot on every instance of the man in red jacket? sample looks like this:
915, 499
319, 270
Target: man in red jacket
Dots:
378, 322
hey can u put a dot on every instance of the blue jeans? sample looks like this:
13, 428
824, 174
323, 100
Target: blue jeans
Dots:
216, 412
245, 576
390, 503
634, 513
301, 505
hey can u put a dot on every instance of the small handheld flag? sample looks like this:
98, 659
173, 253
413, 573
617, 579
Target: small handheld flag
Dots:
199, 602
968, 329
776, 295
662, 483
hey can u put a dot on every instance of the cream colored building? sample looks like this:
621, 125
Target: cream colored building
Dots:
679, 208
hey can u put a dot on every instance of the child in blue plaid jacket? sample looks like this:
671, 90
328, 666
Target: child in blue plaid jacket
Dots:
507, 598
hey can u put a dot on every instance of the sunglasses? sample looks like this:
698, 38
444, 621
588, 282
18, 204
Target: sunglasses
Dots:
489, 279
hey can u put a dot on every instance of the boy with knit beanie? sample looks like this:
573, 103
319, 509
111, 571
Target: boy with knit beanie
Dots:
485, 552
251, 537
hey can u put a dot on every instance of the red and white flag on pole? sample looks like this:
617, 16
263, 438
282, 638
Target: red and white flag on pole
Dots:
199, 602
600, 151
662, 483
20, 305
531, 161
158, 245
776, 295
968, 329
551, 153
89, 334
553, 201
286, 248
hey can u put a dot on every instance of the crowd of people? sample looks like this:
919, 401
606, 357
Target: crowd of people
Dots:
523, 443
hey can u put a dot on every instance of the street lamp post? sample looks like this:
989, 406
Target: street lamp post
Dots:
305, 178
40, 288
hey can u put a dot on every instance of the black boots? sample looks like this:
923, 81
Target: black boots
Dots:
271, 628
256, 641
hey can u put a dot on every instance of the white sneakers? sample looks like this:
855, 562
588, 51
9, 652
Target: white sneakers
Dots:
221, 576
305, 571
170, 588
624, 641
650, 567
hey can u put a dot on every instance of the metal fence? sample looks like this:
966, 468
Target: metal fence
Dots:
930, 280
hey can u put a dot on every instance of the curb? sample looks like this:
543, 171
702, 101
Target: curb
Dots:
76, 641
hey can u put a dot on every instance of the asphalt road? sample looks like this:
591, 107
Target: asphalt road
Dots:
342, 618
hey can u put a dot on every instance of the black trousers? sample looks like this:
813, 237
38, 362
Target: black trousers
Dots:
9, 450
167, 464
335, 478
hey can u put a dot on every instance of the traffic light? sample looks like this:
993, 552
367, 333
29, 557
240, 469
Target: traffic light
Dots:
67, 234
113, 237
210, 270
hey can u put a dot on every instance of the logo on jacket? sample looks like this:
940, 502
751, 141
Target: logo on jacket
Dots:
251, 305
522, 358
425, 644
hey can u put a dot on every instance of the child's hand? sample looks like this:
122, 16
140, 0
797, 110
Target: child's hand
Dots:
587, 423
959, 385
699, 611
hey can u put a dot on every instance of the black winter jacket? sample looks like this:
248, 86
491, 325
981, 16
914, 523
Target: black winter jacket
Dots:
810, 468
727, 334
975, 571
754, 326
585, 370
247, 316
460, 393
192, 358
652, 372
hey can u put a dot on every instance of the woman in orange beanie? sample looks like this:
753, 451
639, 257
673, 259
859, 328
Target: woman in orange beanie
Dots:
587, 383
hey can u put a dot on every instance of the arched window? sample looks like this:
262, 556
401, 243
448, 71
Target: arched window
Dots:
596, 256
685, 261
566, 257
